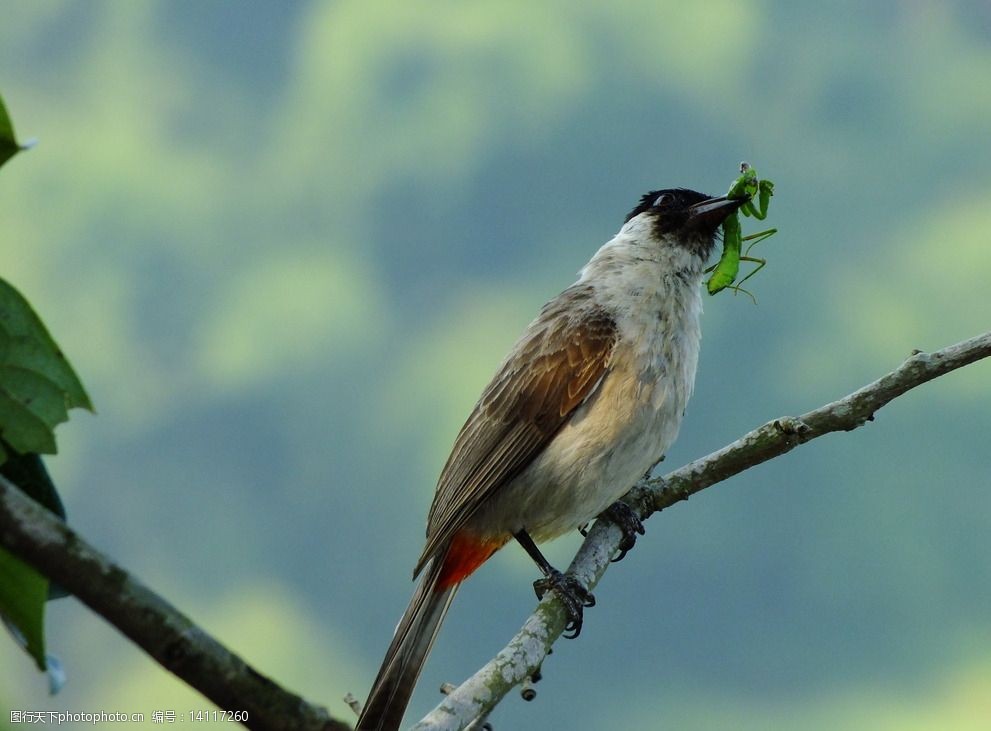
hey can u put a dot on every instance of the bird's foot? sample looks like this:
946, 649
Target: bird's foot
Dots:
629, 522
574, 596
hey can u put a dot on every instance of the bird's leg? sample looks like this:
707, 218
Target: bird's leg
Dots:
628, 521
574, 596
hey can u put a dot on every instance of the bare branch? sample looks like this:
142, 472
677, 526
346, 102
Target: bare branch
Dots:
38, 537
478, 695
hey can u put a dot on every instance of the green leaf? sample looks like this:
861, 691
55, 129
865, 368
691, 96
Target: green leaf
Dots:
23, 592
8, 143
41, 356
37, 389
29, 345
37, 384
31, 406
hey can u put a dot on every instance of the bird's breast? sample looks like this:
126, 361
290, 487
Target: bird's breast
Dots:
613, 438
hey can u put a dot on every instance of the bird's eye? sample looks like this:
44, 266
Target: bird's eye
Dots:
661, 200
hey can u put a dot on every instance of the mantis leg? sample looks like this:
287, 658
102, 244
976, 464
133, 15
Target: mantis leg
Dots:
754, 239
737, 288
765, 189
757, 238
761, 263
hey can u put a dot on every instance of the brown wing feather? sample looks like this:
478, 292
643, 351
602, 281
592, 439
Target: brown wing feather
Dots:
558, 363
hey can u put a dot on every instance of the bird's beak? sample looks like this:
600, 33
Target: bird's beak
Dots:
709, 214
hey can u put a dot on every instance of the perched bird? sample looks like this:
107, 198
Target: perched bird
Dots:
587, 400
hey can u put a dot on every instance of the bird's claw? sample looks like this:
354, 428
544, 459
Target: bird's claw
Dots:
629, 522
573, 595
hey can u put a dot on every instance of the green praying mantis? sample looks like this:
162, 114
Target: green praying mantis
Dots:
747, 186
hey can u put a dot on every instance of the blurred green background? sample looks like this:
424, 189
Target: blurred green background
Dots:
286, 244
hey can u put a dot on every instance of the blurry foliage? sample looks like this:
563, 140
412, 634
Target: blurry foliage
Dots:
37, 384
37, 389
288, 249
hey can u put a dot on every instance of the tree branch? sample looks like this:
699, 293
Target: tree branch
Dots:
478, 695
38, 537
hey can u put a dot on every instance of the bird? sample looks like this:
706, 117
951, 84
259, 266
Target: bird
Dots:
587, 400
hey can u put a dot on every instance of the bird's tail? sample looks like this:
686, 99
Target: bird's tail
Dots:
415, 634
